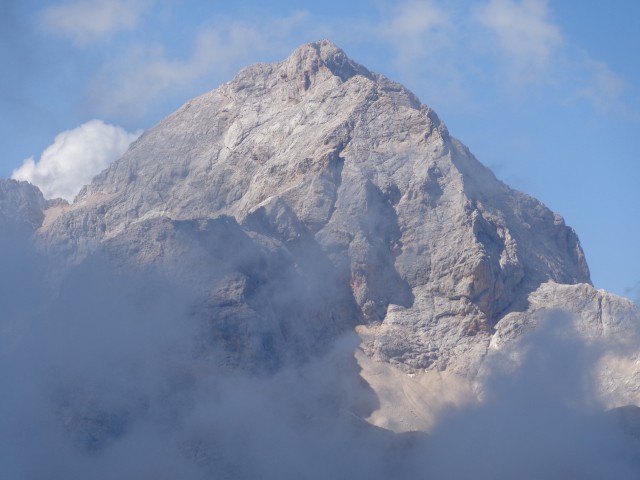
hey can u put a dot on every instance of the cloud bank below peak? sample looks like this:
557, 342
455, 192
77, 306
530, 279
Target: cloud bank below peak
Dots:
75, 157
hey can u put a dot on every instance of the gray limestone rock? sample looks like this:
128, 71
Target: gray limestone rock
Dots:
306, 197
21, 206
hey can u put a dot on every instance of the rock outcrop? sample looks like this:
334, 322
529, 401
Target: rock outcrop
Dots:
21, 206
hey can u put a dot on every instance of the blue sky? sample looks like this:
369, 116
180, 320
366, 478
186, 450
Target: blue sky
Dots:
546, 93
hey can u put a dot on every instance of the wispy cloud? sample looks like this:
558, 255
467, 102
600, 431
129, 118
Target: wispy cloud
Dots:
417, 29
445, 49
74, 158
423, 42
493, 43
604, 88
133, 82
86, 21
526, 36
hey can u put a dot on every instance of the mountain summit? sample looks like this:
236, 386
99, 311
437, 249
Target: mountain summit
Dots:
310, 198
317, 154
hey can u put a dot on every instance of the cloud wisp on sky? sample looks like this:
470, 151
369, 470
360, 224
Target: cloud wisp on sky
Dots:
93, 20
525, 36
136, 80
537, 92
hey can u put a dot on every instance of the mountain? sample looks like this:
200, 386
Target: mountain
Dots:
311, 198
21, 206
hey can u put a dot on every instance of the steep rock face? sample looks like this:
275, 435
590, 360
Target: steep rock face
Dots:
342, 179
21, 206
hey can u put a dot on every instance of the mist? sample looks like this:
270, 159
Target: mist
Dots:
540, 416
104, 376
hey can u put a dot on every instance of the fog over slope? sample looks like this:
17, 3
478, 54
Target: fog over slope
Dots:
108, 381
220, 302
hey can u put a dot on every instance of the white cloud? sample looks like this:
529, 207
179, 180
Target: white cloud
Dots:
133, 82
505, 46
605, 88
74, 158
526, 37
417, 29
89, 20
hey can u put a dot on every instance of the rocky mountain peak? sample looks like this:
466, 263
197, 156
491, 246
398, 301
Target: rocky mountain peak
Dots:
350, 205
304, 247
308, 59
